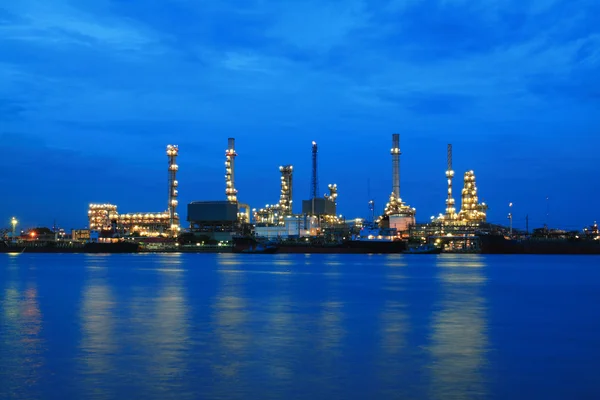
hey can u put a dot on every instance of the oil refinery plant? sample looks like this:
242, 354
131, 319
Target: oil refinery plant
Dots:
231, 225
224, 220
106, 218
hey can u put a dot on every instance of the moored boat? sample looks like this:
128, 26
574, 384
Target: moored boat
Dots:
261, 249
424, 249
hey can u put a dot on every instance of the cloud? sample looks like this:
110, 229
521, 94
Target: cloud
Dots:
431, 103
57, 23
117, 80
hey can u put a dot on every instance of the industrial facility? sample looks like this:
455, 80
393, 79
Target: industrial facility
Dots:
318, 214
105, 217
226, 224
221, 220
397, 214
472, 212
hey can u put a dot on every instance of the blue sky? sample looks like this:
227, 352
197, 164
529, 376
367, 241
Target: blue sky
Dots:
92, 91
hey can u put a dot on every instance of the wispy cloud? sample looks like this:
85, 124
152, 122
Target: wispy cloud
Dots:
101, 75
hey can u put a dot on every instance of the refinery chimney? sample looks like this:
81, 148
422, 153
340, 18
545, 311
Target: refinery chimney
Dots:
314, 192
230, 154
396, 164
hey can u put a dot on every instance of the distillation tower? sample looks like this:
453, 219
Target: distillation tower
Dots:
450, 204
285, 199
333, 193
395, 152
471, 210
400, 215
230, 154
274, 214
172, 153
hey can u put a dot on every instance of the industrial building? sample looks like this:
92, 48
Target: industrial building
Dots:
472, 212
221, 220
397, 214
105, 217
318, 213
216, 219
292, 227
325, 208
272, 215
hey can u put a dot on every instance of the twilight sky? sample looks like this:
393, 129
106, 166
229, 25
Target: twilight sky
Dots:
92, 91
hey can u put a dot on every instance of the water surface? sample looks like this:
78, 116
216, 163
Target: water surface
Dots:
185, 326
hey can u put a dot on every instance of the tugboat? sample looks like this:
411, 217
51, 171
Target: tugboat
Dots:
424, 249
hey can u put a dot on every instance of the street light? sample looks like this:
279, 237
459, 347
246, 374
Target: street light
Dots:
510, 217
14, 223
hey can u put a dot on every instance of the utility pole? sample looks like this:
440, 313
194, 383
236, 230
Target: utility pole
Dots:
527, 223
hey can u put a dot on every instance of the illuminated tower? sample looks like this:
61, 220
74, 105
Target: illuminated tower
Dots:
398, 214
285, 199
230, 154
471, 210
333, 193
315, 179
172, 153
396, 164
450, 206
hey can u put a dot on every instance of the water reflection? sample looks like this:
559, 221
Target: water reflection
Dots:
230, 317
393, 328
99, 341
141, 327
459, 330
21, 344
163, 331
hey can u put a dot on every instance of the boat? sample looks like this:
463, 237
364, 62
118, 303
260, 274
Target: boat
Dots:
261, 249
316, 246
500, 244
115, 247
68, 247
424, 249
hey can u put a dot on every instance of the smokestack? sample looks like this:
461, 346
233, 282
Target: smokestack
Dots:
315, 180
396, 164
230, 154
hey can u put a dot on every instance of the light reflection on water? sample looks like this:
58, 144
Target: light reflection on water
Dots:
143, 332
393, 327
459, 342
21, 342
230, 326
